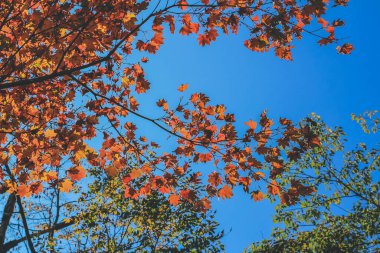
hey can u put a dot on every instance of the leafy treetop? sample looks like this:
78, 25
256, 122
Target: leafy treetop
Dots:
343, 215
66, 78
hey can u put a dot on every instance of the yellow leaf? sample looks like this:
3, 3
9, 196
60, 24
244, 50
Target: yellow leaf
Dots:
50, 133
63, 31
52, 175
12, 187
80, 154
128, 17
67, 220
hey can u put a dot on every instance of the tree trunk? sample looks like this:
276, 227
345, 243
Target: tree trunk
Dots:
7, 214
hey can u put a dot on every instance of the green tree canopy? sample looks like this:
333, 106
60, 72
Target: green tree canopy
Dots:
343, 215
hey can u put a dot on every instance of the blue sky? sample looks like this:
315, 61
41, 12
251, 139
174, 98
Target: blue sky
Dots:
318, 80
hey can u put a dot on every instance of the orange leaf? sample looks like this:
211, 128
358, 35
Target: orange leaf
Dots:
49, 176
258, 175
162, 103
330, 29
205, 157
146, 169
183, 4
76, 173
111, 170
345, 49
36, 188
130, 193
174, 200
65, 186
187, 195
255, 18
136, 173
257, 195
252, 125
315, 142
23, 191
50, 133
52, 175
214, 179
225, 192
277, 165
273, 188
183, 87
203, 40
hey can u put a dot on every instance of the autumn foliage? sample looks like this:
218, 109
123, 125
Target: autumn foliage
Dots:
67, 82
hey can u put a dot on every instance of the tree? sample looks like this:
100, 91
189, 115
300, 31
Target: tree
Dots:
67, 80
343, 216
101, 219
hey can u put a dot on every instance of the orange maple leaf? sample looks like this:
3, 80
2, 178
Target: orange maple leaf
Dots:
258, 175
23, 191
345, 49
76, 173
225, 192
136, 173
257, 195
50, 133
183, 87
174, 200
162, 103
277, 165
273, 188
36, 187
205, 157
188, 195
111, 170
214, 179
65, 186
252, 125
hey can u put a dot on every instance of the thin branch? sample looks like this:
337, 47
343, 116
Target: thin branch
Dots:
25, 224
11, 244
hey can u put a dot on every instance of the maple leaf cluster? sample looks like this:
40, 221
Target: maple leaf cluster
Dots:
66, 81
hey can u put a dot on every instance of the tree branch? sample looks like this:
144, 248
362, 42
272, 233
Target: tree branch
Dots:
11, 244
7, 214
26, 82
25, 223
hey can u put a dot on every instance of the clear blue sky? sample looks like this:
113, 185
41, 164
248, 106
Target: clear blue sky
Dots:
318, 80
